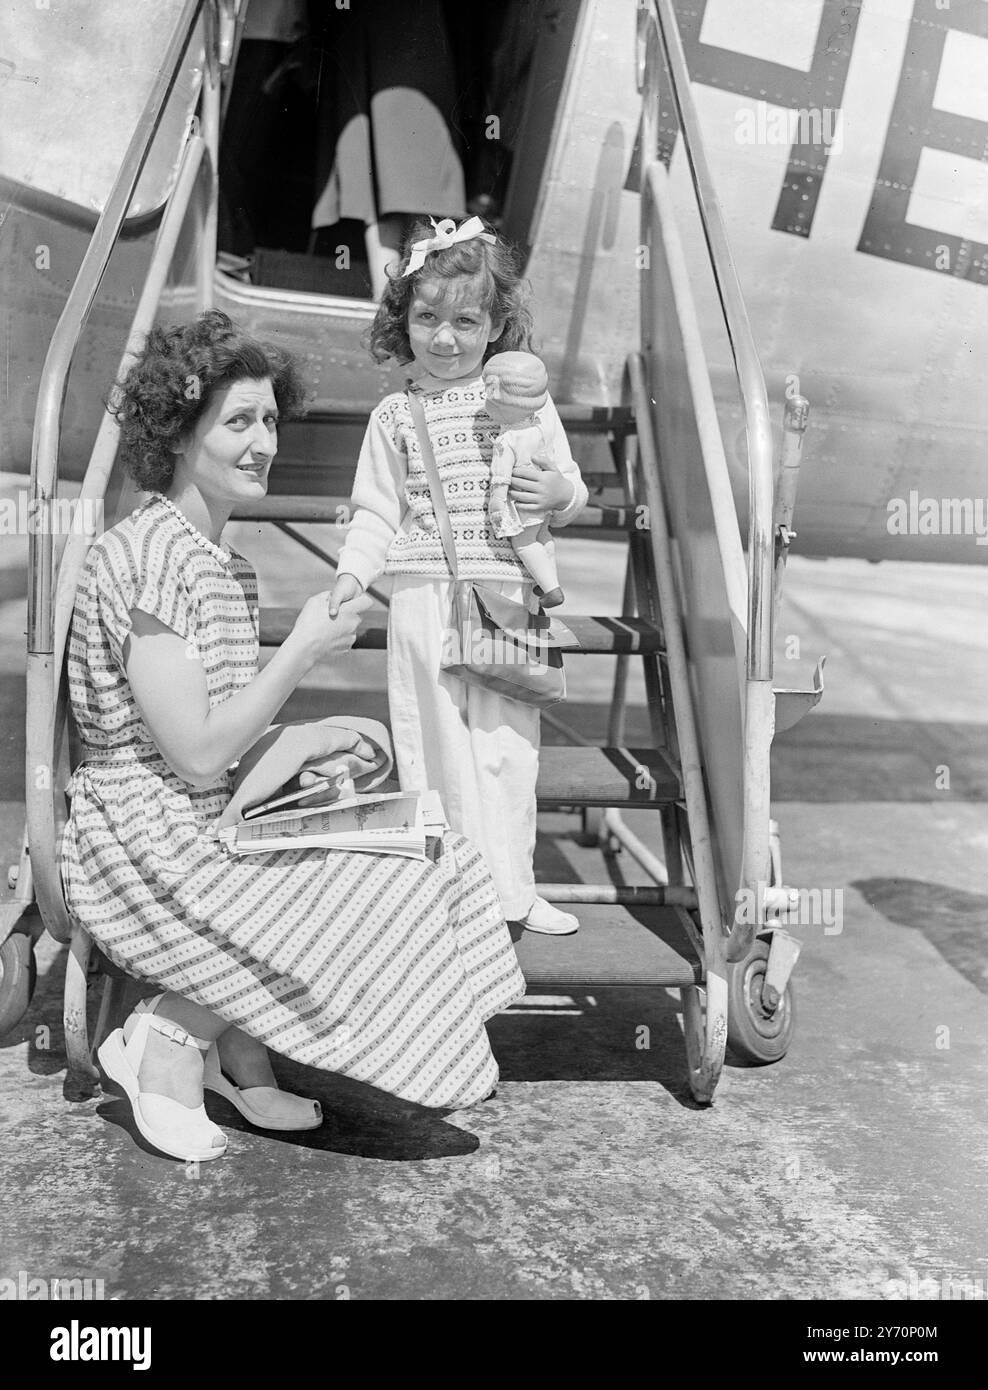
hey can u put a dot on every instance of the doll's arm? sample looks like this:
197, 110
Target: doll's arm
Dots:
378, 500
502, 460
558, 453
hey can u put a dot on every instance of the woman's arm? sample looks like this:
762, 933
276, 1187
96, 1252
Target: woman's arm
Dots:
324, 747
169, 685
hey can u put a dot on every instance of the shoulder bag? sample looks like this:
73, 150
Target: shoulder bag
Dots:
491, 641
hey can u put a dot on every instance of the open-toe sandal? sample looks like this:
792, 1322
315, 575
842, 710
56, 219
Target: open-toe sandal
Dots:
267, 1107
180, 1131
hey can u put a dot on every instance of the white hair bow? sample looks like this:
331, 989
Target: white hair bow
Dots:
447, 234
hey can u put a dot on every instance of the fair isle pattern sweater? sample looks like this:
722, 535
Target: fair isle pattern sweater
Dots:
394, 528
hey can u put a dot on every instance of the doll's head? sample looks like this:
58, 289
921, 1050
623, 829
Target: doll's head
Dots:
516, 385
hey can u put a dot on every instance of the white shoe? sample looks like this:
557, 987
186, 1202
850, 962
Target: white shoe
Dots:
543, 917
180, 1131
267, 1107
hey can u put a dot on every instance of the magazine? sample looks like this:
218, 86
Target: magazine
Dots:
400, 823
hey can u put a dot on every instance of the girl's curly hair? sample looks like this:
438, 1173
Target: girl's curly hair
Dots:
503, 293
169, 386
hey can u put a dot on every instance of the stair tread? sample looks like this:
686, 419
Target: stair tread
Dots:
615, 945
574, 776
579, 419
331, 510
306, 468
594, 635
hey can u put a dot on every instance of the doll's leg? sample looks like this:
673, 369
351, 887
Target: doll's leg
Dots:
540, 563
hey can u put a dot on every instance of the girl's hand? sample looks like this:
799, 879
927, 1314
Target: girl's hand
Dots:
538, 486
346, 588
327, 626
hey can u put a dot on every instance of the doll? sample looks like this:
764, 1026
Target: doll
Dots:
516, 385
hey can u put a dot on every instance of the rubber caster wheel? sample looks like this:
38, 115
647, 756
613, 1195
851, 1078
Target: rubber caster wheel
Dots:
18, 973
755, 1035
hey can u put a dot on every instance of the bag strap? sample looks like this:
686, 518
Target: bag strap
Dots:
432, 476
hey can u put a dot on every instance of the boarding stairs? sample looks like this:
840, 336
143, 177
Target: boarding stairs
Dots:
696, 613
628, 935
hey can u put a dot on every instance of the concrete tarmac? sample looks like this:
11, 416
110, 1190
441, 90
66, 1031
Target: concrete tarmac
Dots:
854, 1168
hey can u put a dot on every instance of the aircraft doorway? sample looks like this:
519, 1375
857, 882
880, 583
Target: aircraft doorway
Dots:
343, 125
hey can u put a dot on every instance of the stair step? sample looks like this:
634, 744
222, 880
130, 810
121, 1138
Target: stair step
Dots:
318, 453
578, 419
308, 509
336, 510
628, 894
615, 945
307, 468
637, 778
594, 636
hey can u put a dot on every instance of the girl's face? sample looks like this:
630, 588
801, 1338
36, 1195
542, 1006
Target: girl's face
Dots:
228, 453
448, 328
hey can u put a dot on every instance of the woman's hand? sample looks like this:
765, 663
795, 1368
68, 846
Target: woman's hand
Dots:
327, 625
323, 749
343, 768
345, 590
538, 486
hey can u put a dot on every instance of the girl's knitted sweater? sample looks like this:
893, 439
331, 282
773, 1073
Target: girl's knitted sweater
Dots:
394, 527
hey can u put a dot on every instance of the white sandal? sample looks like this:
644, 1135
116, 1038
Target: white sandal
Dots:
177, 1130
548, 920
267, 1107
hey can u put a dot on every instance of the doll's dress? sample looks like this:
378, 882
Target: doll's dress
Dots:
517, 444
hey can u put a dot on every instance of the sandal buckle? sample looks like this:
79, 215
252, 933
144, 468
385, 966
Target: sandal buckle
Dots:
174, 1032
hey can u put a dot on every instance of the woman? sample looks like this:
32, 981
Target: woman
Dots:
378, 967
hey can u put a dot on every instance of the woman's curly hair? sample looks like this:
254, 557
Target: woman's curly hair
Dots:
169, 386
495, 268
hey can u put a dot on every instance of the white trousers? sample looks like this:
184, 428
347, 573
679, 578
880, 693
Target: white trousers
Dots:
478, 749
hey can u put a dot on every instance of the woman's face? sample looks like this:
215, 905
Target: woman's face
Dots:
448, 328
228, 453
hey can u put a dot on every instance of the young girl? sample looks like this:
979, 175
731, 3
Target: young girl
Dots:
456, 298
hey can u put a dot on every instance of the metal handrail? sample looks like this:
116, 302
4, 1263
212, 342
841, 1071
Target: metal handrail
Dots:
660, 45
44, 644
751, 379
45, 711
104, 452
65, 339
690, 755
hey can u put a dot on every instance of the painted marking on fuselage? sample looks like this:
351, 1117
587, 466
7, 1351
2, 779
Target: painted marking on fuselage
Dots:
914, 125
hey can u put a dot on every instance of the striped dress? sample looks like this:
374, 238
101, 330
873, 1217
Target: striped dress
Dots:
378, 967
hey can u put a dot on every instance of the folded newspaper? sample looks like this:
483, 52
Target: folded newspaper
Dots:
400, 823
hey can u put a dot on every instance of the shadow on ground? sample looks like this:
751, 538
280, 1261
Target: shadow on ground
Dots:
953, 921
611, 1034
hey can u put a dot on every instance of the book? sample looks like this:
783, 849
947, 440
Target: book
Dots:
401, 823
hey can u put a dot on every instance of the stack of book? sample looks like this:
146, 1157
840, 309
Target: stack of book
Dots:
401, 823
